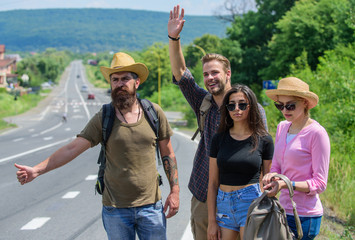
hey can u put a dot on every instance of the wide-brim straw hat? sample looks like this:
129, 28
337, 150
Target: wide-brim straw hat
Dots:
122, 62
292, 86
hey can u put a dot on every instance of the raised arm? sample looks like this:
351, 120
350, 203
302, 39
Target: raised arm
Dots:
62, 156
175, 25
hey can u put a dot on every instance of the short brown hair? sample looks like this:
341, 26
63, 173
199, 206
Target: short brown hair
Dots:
215, 56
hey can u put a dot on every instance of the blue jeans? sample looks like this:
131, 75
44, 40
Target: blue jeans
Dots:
147, 221
310, 226
232, 207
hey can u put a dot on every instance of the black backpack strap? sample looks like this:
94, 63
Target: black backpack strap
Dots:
153, 120
108, 117
203, 111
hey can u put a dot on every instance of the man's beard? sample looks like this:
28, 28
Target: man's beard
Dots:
123, 99
219, 91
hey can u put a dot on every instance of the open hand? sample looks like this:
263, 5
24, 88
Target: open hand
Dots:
176, 22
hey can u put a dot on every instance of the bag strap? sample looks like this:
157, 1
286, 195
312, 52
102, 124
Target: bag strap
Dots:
108, 117
153, 120
291, 192
204, 109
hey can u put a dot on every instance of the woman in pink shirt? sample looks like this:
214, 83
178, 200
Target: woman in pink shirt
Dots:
302, 151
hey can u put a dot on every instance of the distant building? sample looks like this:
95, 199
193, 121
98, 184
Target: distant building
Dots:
13, 56
7, 67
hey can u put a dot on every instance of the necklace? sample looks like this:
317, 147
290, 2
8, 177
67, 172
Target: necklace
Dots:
139, 113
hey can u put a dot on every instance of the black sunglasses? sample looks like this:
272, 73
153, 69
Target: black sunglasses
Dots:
232, 106
289, 107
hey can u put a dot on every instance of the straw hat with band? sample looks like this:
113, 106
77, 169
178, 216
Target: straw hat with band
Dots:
122, 62
292, 86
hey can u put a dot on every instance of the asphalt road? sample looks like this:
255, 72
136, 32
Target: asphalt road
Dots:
62, 203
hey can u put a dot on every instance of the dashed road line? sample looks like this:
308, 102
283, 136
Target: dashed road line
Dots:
91, 177
73, 194
35, 223
18, 139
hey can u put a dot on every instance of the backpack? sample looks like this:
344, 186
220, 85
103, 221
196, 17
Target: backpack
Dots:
205, 108
267, 220
108, 117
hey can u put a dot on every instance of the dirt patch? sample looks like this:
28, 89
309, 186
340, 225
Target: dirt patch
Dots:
334, 228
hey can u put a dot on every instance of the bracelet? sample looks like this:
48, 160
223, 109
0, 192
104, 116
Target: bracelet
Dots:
174, 39
293, 185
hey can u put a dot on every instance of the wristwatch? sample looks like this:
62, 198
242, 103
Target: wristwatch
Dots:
294, 185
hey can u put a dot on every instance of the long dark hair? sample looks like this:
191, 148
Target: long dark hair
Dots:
255, 122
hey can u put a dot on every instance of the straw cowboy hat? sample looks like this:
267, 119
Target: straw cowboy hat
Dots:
122, 62
292, 86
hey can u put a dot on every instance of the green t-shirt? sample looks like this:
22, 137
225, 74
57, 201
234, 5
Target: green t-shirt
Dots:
131, 176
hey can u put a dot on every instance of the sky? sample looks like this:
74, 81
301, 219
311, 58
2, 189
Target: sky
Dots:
192, 7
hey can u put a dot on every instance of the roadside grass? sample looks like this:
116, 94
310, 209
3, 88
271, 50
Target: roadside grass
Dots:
10, 107
90, 73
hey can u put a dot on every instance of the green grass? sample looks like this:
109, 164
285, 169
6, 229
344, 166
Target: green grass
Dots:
10, 107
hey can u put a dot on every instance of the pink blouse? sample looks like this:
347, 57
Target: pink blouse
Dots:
304, 158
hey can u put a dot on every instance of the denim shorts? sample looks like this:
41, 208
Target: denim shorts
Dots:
310, 226
147, 221
232, 207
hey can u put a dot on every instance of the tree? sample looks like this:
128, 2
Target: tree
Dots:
311, 26
206, 44
247, 43
234, 8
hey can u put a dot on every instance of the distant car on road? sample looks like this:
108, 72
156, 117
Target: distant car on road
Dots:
84, 88
91, 96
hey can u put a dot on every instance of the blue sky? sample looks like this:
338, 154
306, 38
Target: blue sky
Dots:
192, 7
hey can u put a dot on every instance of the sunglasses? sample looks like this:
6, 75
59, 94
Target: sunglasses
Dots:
289, 107
232, 106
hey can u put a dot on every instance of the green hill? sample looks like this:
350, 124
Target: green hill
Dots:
94, 30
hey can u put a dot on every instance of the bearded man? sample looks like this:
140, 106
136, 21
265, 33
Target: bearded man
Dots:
217, 79
131, 198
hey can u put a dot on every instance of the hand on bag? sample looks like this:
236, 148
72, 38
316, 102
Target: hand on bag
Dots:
268, 178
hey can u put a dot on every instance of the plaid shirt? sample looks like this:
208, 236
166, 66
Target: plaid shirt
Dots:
194, 95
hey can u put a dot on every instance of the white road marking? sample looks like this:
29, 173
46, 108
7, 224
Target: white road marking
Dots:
35, 223
52, 128
82, 100
35, 150
17, 139
47, 138
67, 129
71, 194
91, 177
35, 135
187, 233
31, 130
185, 135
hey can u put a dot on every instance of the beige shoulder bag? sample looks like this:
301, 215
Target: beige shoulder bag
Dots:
266, 218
